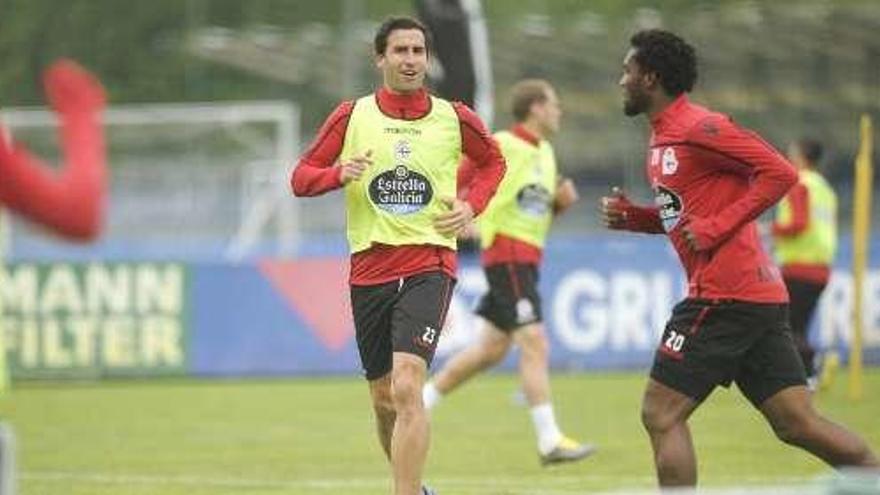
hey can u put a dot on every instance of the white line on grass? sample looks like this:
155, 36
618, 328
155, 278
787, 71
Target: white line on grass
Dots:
512, 485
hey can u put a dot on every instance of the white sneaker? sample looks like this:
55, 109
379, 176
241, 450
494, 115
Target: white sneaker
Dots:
567, 450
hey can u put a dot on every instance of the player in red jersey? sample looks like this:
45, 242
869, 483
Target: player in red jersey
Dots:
395, 153
711, 179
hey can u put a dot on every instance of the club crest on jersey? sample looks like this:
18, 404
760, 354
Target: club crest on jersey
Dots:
537, 170
534, 200
402, 150
401, 191
669, 205
669, 163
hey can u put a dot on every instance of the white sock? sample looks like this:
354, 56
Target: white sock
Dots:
546, 428
430, 395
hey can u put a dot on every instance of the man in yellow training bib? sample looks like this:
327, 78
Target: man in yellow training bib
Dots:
512, 234
805, 242
396, 154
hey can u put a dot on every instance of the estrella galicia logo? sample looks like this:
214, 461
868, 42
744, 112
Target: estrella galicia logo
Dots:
670, 207
534, 200
401, 191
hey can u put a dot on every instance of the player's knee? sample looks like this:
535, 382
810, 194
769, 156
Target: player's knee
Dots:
657, 420
650, 420
794, 429
383, 404
406, 391
493, 352
535, 346
380, 395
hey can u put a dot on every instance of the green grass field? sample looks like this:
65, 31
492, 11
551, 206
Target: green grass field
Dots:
315, 436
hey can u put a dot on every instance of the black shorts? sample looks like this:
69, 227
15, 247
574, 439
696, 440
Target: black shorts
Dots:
405, 315
512, 300
804, 296
709, 343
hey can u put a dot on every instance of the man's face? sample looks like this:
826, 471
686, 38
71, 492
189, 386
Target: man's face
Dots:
636, 98
548, 112
405, 60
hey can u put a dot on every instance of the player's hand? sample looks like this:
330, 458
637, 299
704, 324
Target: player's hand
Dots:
71, 89
354, 168
699, 234
454, 221
470, 232
613, 209
566, 195
690, 238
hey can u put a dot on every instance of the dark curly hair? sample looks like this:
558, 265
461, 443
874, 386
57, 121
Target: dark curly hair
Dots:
667, 55
380, 42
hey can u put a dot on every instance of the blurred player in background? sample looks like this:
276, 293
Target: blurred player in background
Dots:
805, 242
512, 233
396, 153
711, 180
68, 201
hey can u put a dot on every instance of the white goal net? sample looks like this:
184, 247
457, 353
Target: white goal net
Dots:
193, 180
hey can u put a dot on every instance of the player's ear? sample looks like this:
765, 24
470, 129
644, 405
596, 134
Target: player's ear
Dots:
651, 79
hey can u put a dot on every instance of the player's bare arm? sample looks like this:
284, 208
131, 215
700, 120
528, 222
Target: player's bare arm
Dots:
566, 196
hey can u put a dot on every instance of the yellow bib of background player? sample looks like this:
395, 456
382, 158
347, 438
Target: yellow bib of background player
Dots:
522, 208
414, 165
818, 243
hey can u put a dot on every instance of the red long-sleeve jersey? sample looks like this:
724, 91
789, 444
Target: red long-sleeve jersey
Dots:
799, 199
714, 178
316, 173
70, 201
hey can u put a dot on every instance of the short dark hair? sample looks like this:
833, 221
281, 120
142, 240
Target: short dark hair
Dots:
811, 149
380, 42
668, 56
524, 94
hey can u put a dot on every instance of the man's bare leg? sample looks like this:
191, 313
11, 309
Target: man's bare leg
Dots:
533, 364
411, 437
486, 352
665, 413
535, 376
796, 422
383, 408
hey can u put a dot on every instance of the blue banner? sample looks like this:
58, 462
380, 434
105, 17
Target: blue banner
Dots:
605, 302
